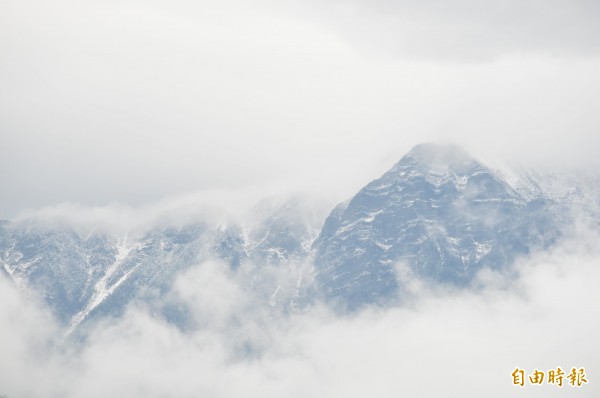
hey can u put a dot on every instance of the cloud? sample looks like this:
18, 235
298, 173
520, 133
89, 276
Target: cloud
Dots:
466, 30
131, 103
127, 102
27, 343
208, 206
465, 343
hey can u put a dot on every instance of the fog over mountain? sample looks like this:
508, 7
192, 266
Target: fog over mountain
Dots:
298, 198
439, 212
443, 260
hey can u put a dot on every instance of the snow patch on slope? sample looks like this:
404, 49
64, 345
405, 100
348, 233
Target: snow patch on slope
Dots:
102, 289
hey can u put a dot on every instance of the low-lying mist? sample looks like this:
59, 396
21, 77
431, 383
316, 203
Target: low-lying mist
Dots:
541, 314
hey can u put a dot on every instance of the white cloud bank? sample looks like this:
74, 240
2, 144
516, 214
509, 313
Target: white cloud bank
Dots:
463, 344
130, 101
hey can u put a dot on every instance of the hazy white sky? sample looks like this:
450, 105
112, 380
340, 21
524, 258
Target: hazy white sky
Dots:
130, 102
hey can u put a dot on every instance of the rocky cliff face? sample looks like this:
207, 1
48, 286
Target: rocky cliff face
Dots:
82, 274
438, 211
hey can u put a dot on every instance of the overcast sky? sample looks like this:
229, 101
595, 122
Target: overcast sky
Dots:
130, 102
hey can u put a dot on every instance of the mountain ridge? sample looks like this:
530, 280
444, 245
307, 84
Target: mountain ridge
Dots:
438, 210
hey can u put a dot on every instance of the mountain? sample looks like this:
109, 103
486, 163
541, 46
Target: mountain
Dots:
438, 211
284, 228
78, 275
84, 274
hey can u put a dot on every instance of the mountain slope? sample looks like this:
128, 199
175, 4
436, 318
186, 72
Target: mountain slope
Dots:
85, 274
439, 211
78, 275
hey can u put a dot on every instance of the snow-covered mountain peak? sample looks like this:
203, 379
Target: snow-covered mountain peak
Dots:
440, 167
440, 211
283, 228
437, 158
